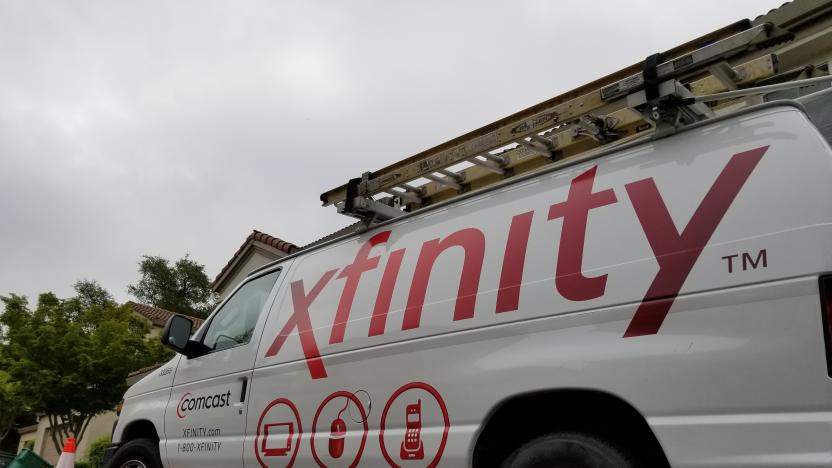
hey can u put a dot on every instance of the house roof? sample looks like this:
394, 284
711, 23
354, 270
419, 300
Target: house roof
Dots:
345, 231
159, 316
255, 237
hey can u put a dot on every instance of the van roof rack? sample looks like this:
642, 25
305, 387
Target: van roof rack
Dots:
658, 96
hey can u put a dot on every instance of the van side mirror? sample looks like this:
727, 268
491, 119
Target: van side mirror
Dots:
177, 336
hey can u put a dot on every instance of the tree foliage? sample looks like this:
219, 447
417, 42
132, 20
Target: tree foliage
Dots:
71, 357
95, 456
183, 287
11, 404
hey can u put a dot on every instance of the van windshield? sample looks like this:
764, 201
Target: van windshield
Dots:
234, 323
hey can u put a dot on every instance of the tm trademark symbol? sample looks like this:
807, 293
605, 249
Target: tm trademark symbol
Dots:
748, 261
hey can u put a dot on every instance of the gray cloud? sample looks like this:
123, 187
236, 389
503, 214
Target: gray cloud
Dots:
130, 128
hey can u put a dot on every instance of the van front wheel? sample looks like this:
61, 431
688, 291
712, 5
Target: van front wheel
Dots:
138, 453
568, 450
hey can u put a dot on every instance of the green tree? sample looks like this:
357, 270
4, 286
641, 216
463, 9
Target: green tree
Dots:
183, 288
72, 356
11, 405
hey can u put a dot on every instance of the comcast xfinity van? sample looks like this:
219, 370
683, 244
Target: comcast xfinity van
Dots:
664, 303
637, 273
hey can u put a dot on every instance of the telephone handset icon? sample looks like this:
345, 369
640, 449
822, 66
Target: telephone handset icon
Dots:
412, 447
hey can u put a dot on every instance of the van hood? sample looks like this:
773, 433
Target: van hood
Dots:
156, 379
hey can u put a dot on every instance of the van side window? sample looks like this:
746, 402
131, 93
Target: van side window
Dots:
234, 323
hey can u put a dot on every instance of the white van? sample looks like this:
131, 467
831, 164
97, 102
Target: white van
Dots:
663, 304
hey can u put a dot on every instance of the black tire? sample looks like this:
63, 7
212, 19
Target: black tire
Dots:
138, 453
568, 450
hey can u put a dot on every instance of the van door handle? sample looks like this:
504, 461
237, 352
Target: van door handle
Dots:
240, 405
245, 387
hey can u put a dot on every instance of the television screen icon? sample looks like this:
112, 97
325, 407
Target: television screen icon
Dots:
277, 439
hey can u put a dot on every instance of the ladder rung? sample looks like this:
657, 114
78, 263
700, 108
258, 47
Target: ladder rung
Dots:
407, 195
444, 181
536, 147
452, 175
501, 160
418, 191
543, 141
490, 165
726, 75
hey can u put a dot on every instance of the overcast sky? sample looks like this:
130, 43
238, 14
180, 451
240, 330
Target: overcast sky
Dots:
165, 128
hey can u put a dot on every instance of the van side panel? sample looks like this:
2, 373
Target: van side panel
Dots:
150, 407
680, 276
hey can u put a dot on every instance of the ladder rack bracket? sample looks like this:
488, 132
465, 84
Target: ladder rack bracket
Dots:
365, 208
600, 129
672, 109
370, 211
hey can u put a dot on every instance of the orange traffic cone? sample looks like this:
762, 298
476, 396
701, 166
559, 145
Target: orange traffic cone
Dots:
67, 459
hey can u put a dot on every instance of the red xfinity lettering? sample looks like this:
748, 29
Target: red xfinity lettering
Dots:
514, 260
385, 292
300, 320
569, 278
473, 241
676, 253
353, 274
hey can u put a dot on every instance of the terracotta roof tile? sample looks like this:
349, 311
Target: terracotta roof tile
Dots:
279, 244
159, 316
257, 236
343, 232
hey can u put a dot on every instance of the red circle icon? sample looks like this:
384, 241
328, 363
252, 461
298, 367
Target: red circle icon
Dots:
278, 438
413, 447
179, 406
338, 429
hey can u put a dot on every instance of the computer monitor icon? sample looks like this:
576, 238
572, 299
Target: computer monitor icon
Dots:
277, 439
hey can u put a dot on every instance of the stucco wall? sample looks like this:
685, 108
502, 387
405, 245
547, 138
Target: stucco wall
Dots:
26, 437
255, 259
101, 425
